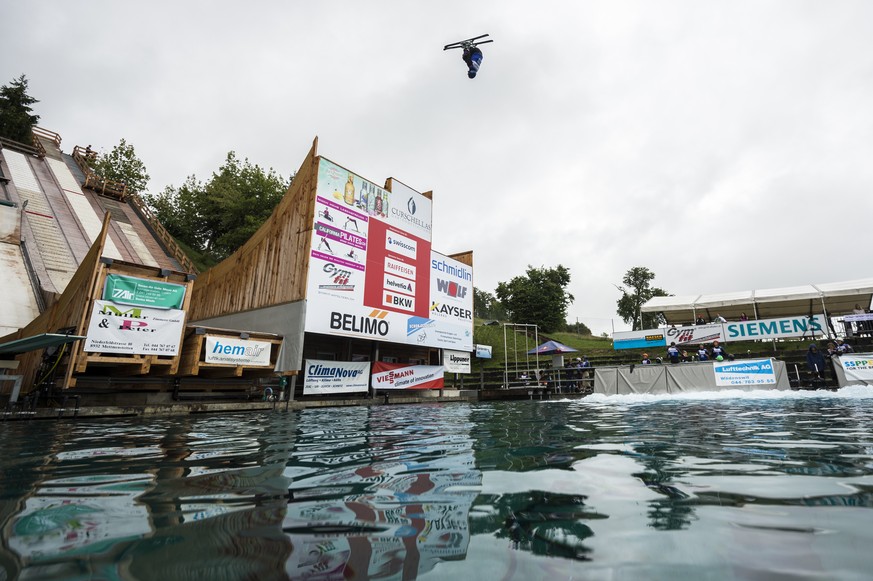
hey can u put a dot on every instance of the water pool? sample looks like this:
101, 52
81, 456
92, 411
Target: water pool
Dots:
757, 485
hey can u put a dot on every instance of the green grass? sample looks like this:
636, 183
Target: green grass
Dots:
516, 347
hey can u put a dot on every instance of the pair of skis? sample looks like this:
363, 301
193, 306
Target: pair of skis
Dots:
469, 43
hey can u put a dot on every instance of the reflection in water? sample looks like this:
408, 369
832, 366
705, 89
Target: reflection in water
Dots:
706, 486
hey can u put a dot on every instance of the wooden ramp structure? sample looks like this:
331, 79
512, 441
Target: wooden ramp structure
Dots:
71, 314
261, 288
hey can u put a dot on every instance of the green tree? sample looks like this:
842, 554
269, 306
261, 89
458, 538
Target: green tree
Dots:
540, 297
578, 328
634, 294
122, 165
487, 306
215, 218
16, 114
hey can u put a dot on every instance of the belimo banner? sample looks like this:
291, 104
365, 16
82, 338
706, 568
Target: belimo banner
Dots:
142, 292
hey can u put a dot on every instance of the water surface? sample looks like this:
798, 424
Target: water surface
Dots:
756, 485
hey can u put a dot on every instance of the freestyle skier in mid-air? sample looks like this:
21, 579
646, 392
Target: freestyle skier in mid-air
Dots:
472, 54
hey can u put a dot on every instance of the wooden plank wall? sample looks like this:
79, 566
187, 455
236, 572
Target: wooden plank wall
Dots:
463, 257
67, 311
270, 268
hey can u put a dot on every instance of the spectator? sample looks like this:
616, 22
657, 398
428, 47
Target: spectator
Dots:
685, 357
702, 353
743, 317
585, 362
673, 353
843, 348
719, 350
719, 319
646, 360
700, 320
815, 361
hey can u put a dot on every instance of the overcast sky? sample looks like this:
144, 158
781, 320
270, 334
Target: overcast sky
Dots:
725, 145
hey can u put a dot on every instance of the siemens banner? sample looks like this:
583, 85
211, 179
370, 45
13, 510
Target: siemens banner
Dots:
775, 328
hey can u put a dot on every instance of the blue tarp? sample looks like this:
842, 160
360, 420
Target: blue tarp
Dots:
552, 348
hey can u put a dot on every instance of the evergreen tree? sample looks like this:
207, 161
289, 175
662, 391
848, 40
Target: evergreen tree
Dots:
16, 114
540, 297
122, 165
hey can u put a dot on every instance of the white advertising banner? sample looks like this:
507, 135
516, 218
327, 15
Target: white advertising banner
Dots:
329, 377
775, 328
857, 367
398, 376
234, 351
483, 351
694, 334
456, 361
745, 372
372, 273
134, 330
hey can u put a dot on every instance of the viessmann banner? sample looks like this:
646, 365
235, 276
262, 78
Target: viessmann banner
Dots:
399, 376
372, 272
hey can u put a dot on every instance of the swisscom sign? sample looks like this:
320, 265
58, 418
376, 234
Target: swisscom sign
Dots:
372, 272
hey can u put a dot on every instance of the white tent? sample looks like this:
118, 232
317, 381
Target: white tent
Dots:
834, 299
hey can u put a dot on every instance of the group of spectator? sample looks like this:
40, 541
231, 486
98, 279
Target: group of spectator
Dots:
818, 362
714, 352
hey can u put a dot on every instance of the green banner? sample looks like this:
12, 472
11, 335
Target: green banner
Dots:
142, 292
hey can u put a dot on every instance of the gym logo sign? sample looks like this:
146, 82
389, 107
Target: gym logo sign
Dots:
373, 324
338, 278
